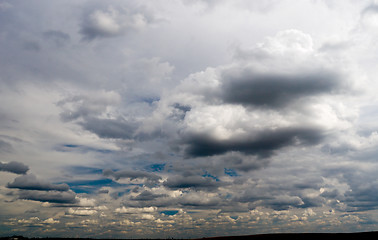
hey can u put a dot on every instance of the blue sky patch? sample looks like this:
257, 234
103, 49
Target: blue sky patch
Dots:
169, 212
207, 174
91, 186
155, 167
230, 172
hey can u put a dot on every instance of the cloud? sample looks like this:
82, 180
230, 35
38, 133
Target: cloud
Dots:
5, 146
135, 210
283, 202
58, 37
278, 95
131, 175
147, 196
88, 105
180, 122
110, 128
14, 167
199, 200
241, 162
111, 22
192, 182
263, 144
30, 182
279, 90
49, 196
81, 211
51, 221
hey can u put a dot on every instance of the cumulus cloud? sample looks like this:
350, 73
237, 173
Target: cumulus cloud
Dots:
275, 96
200, 200
14, 167
135, 210
30, 182
81, 211
88, 105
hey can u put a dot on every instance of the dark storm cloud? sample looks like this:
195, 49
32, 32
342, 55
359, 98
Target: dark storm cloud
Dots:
193, 182
14, 167
278, 90
131, 175
30, 182
50, 196
109, 128
263, 145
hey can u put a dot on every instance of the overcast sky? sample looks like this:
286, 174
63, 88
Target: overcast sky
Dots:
188, 118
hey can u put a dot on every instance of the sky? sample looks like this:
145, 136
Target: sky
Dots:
188, 118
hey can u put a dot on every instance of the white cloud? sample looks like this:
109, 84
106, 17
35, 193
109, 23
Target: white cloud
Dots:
51, 221
135, 210
81, 211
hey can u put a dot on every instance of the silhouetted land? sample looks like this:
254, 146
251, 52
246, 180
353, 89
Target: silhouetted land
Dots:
280, 236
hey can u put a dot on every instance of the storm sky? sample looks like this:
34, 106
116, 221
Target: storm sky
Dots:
188, 118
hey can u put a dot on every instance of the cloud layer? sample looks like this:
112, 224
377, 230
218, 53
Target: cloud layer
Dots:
140, 119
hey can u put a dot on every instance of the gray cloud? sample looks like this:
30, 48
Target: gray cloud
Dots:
109, 128
50, 196
263, 145
131, 175
251, 128
30, 182
283, 202
14, 167
278, 90
112, 22
242, 162
5, 146
193, 182
147, 196
58, 37
199, 202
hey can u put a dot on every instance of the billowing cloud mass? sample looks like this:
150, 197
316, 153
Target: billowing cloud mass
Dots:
14, 167
142, 119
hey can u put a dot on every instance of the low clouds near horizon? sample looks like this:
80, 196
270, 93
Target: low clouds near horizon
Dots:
191, 119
